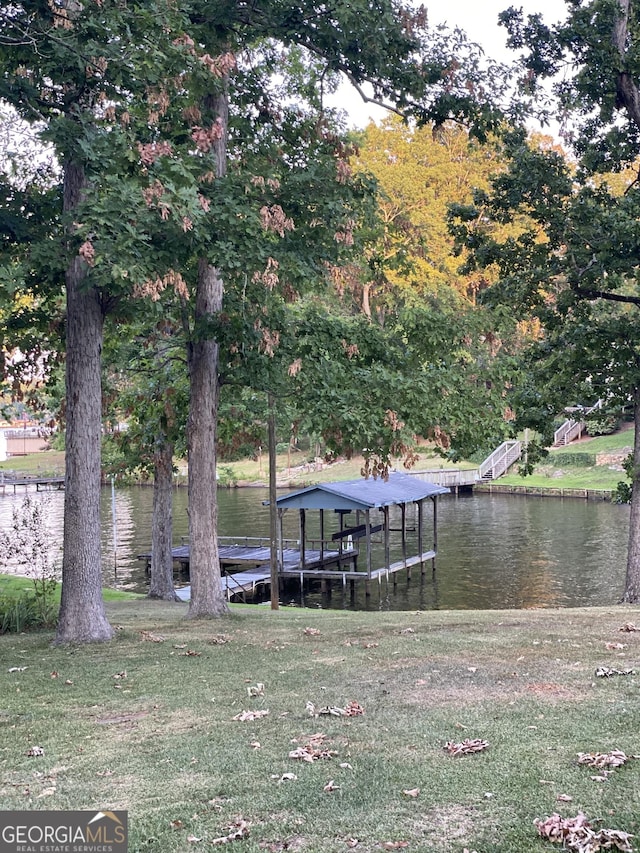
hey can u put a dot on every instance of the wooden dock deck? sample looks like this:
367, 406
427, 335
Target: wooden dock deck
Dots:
246, 581
40, 483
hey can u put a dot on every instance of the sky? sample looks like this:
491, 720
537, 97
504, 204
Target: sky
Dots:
479, 19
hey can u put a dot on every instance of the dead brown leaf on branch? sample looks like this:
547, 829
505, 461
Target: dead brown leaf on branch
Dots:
466, 747
576, 834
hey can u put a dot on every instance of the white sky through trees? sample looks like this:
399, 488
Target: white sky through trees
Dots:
479, 19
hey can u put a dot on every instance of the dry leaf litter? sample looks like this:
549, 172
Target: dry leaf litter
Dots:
466, 747
576, 834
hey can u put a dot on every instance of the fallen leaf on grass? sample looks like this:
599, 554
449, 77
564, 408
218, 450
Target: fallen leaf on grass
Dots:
628, 627
352, 842
47, 792
607, 760
412, 792
256, 689
407, 631
255, 744
176, 824
312, 632
564, 798
330, 786
288, 777
466, 747
370, 645
313, 750
352, 709
614, 646
122, 674
193, 839
240, 831
54, 674
249, 716
576, 834
179, 645
190, 653
68, 681
17, 669
35, 752
150, 637
606, 672
395, 845
220, 640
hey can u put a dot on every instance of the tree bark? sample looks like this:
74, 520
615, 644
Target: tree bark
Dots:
632, 582
82, 613
207, 596
162, 522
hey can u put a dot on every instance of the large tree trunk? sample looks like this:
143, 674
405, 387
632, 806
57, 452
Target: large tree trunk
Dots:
82, 613
207, 596
162, 523
632, 583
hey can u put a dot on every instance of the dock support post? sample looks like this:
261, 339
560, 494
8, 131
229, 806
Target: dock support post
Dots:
403, 513
420, 538
435, 533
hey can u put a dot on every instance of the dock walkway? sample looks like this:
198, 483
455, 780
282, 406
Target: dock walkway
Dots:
40, 483
257, 557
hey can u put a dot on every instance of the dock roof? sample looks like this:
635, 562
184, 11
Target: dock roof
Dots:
362, 493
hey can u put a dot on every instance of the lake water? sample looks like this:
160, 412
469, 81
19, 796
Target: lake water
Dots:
494, 551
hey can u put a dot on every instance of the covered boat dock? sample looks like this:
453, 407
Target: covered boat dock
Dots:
363, 507
360, 525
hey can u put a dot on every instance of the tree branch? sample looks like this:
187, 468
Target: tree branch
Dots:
589, 293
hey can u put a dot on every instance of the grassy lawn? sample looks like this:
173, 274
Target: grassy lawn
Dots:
49, 463
14, 585
145, 723
553, 473
301, 471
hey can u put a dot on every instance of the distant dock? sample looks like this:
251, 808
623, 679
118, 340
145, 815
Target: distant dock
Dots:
41, 484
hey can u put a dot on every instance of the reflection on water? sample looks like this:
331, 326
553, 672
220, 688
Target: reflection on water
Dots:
494, 551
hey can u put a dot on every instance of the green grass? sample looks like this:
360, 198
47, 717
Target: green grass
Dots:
13, 585
49, 463
148, 726
302, 472
553, 473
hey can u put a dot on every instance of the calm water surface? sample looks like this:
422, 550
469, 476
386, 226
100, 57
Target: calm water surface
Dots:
494, 551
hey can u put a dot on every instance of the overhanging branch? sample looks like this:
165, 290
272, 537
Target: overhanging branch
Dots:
590, 293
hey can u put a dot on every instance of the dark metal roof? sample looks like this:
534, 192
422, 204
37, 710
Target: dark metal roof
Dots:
362, 494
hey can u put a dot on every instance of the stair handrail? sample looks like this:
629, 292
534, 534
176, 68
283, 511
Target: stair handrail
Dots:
572, 428
501, 459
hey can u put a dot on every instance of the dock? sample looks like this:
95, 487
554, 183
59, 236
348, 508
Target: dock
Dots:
255, 555
40, 483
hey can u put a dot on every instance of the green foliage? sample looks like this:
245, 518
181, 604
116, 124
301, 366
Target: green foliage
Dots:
24, 612
577, 459
226, 476
602, 422
27, 546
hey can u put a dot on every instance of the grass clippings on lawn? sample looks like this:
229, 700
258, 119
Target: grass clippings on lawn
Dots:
175, 730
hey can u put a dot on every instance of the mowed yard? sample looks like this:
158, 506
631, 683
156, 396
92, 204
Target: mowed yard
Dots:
231, 731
